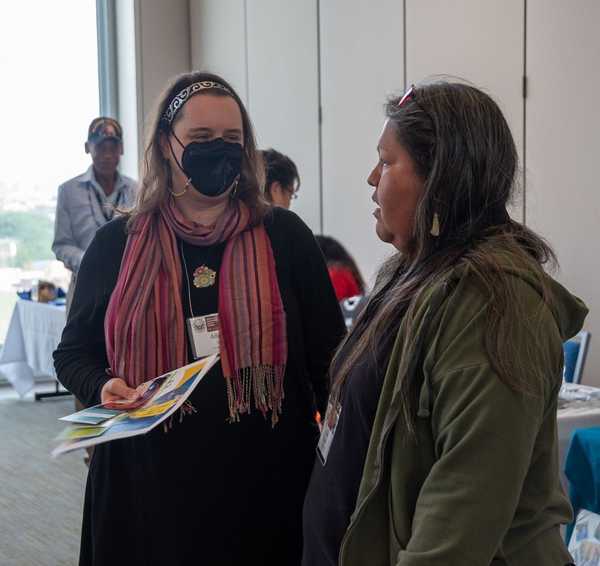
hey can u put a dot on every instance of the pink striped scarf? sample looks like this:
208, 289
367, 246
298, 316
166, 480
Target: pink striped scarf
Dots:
144, 324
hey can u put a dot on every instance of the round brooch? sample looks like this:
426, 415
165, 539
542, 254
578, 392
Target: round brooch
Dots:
204, 277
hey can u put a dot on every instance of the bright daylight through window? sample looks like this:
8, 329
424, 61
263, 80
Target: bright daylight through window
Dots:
49, 95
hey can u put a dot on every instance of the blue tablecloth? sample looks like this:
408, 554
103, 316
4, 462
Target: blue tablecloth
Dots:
582, 468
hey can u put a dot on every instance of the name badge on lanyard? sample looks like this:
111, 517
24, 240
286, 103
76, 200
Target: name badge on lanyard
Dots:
203, 332
329, 426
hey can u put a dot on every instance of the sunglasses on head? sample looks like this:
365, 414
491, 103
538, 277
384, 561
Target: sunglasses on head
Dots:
408, 94
411, 94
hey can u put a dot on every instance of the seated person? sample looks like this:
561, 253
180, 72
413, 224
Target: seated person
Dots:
46, 292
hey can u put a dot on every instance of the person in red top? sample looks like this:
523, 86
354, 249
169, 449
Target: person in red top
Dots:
343, 271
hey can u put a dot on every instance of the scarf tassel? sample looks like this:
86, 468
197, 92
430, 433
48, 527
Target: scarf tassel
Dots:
186, 409
264, 383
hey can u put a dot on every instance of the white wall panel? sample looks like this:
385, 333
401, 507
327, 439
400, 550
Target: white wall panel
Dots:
218, 40
563, 147
164, 46
283, 91
361, 63
153, 45
481, 42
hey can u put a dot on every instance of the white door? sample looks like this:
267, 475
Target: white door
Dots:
563, 147
361, 64
218, 40
283, 90
479, 41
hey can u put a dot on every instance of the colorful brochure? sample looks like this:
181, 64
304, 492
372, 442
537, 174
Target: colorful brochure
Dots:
161, 397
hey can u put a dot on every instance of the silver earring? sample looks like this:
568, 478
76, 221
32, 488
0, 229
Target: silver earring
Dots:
435, 226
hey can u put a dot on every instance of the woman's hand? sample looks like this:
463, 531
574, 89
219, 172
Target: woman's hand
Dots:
116, 394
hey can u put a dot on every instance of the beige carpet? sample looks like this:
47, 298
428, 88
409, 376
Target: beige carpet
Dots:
41, 498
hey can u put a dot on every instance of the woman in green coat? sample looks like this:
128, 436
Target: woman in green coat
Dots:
440, 444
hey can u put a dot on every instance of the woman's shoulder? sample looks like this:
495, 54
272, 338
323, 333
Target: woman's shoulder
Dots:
283, 224
113, 235
281, 218
466, 302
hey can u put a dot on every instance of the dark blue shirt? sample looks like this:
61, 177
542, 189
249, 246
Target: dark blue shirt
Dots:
333, 489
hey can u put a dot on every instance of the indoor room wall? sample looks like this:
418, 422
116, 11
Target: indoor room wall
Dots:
315, 76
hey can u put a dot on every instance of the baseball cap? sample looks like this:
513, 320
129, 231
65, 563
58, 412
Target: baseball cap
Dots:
103, 128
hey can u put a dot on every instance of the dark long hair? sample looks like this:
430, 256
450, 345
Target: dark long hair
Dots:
464, 152
156, 174
336, 254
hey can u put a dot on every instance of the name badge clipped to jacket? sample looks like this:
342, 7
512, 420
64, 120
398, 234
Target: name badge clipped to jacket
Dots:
203, 332
329, 426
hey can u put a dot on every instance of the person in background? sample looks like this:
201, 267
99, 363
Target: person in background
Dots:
225, 485
46, 291
282, 178
440, 445
89, 201
343, 271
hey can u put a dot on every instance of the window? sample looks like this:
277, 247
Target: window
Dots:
49, 95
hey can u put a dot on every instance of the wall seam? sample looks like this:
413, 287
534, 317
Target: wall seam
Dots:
320, 121
525, 94
139, 63
189, 20
246, 58
404, 57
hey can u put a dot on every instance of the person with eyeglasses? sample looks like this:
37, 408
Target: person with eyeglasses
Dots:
439, 446
282, 179
202, 265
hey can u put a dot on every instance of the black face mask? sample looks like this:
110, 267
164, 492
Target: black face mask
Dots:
211, 166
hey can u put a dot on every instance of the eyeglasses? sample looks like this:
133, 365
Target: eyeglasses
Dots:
293, 192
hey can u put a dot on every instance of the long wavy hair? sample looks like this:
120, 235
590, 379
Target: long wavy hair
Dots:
156, 173
465, 155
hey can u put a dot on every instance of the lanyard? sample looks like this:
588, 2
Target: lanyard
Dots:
187, 279
107, 214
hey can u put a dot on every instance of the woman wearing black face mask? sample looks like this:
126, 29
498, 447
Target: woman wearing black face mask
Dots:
225, 485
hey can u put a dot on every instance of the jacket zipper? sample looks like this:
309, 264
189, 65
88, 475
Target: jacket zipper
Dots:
367, 498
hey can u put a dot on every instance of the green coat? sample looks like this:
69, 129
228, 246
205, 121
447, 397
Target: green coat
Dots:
480, 485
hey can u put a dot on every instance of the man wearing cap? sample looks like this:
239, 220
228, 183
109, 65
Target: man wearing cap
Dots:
89, 201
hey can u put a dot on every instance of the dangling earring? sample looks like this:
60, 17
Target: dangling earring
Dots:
235, 188
435, 226
185, 188
177, 195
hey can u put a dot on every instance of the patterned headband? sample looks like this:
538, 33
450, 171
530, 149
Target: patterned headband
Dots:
182, 97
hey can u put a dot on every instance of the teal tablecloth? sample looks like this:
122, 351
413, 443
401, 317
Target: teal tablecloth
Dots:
582, 468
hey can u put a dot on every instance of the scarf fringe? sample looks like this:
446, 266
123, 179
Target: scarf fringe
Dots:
264, 383
186, 409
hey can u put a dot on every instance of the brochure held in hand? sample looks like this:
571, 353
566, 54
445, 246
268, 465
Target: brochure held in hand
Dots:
159, 399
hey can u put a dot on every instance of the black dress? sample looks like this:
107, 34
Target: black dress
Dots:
206, 492
331, 495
